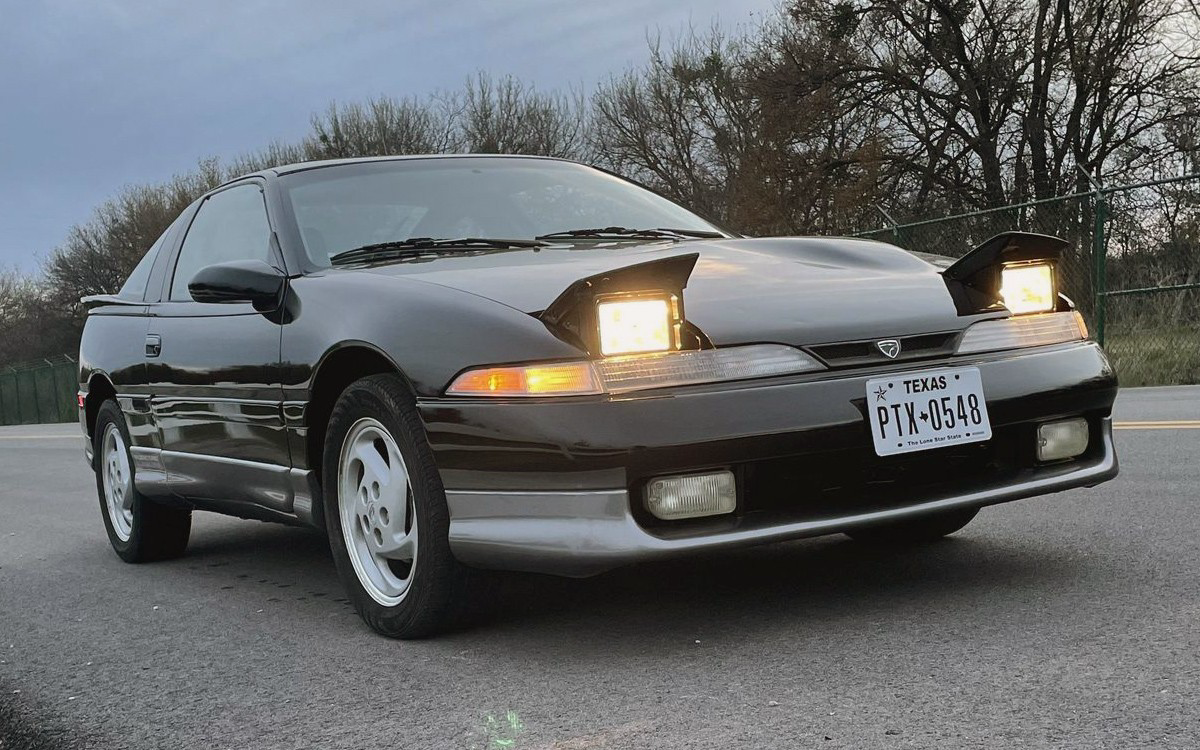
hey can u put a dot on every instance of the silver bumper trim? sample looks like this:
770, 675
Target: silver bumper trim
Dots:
584, 533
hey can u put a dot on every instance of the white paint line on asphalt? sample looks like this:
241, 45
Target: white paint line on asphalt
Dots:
40, 437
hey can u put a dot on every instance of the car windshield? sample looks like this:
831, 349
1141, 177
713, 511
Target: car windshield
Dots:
343, 207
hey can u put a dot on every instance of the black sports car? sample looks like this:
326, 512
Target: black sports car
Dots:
529, 364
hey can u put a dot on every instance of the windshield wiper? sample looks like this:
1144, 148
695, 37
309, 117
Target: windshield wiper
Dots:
416, 246
619, 233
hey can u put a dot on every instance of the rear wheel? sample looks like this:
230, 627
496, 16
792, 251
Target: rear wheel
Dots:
386, 512
139, 529
922, 530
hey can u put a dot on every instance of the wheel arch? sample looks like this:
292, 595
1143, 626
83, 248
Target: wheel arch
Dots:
340, 366
99, 390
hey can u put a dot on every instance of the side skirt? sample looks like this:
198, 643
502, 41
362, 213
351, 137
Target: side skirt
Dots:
246, 489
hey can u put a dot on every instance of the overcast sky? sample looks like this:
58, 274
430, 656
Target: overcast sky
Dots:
102, 93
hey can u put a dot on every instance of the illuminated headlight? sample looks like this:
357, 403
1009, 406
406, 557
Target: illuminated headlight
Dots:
1028, 288
1021, 331
635, 372
691, 495
634, 325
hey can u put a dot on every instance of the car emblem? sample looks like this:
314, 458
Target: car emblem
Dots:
890, 348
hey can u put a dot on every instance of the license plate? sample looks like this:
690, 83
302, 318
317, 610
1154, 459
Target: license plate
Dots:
927, 409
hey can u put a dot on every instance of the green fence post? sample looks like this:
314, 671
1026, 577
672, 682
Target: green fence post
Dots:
39, 397
70, 373
27, 397
63, 392
893, 222
1100, 260
4, 397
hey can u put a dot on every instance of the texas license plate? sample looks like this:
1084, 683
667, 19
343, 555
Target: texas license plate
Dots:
917, 411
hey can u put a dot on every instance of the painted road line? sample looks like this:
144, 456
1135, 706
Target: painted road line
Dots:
1176, 424
41, 437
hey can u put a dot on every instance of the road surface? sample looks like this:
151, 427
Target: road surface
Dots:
1067, 621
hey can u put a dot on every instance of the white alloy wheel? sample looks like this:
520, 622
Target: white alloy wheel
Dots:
375, 502
117, 481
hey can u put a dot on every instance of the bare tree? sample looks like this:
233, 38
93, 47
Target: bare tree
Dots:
383, 126
505, 116
275, 155
804, 124
749, 132
998, 101
21, 314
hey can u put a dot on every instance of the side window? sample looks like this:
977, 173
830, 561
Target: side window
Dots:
135, 286
230, 225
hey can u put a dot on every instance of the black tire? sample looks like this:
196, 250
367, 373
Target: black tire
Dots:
158, 532
916, 531
436, 587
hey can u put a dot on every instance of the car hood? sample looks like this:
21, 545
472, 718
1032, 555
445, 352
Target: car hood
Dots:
803, 290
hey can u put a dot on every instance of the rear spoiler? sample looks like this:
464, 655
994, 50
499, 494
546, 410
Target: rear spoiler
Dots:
974, 279
96, 300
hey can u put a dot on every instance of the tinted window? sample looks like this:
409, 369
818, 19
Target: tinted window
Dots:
231, 225
343, 207
135, 286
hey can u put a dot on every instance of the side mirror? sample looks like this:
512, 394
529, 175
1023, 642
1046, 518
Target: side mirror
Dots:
253, 281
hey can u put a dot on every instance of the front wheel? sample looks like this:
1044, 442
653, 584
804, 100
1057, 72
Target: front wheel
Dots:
139, 529
922, 530
386, 512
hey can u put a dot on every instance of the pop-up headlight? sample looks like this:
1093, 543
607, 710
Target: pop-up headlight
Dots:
1018, 270
634, 340
638, 324
1028, 287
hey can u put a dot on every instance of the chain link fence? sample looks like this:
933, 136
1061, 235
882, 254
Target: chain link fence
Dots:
1150, 282
39, 392
1072, 217
1133, 268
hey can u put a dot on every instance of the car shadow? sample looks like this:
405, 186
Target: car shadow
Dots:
806, 582
829, 577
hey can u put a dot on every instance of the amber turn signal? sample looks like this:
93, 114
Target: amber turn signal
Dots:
551, 379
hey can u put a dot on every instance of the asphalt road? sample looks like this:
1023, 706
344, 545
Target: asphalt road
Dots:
1067, 621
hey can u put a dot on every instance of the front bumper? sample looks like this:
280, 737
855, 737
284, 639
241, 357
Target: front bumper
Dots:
553, 486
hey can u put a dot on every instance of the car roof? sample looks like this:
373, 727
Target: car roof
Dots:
322, 163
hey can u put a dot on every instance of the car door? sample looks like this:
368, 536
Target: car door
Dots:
125, 345
213, 369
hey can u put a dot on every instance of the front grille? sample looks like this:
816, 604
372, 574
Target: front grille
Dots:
838, 483
859, 353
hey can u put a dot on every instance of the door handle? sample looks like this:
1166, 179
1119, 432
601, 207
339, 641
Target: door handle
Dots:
153, 345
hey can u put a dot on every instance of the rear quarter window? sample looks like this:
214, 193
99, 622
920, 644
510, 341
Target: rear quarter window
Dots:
134, 287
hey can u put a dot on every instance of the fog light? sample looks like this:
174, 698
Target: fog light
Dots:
691, 495
1065, 439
